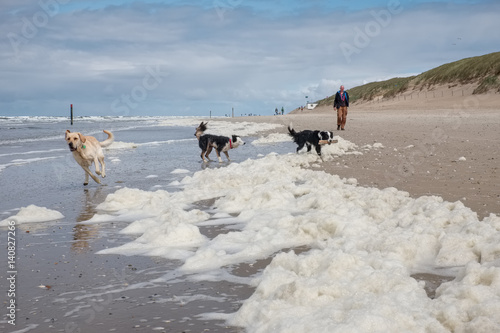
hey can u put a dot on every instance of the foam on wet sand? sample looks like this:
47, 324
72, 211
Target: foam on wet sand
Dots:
363, 247
33, 214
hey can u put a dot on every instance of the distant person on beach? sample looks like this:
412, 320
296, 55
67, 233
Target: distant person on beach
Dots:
282, 111
341, 103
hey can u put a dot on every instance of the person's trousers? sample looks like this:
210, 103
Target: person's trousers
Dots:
341, 116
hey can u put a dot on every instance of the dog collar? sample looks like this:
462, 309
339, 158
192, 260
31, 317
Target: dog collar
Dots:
230, 144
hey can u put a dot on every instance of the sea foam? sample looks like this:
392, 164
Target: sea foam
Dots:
358, 246
33, 214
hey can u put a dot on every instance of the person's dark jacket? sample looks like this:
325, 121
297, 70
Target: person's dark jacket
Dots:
338, 100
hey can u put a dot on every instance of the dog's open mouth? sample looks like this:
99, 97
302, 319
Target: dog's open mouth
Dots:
72, 148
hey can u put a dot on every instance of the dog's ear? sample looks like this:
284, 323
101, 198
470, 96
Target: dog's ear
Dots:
82, 138
66, 134
203, 126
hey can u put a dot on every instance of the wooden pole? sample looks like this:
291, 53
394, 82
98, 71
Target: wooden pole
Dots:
71, 108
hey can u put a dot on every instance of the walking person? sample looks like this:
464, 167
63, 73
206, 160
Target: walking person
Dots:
341, 103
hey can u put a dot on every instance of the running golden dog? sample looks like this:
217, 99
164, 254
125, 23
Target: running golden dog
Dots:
87, 150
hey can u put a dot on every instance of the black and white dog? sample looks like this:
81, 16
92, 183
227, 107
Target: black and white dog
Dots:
311, 138
221, 143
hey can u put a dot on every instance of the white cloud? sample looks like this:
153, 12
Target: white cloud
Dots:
249, 60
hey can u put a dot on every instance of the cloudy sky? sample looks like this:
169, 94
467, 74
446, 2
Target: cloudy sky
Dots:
186, 57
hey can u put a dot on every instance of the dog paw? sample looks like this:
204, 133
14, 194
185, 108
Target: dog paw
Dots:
98, 172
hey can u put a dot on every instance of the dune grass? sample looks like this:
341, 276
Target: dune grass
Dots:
483, 70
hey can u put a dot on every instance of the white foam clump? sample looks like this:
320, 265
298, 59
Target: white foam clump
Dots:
375, 146
33, 214
342, 147
221, 127
462, 159
162, 220
364, 245
242, 129
179, 171
272, 138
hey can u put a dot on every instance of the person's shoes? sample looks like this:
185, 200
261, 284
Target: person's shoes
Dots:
338, 127
342, 129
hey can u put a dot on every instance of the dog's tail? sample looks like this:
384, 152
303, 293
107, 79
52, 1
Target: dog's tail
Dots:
291, 131
109, 140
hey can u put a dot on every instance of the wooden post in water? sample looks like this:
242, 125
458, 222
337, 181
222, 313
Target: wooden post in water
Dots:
71, 108
233, 113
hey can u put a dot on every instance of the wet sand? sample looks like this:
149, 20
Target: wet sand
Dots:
64, 286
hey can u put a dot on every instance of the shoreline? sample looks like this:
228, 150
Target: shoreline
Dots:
448, 153
136, 293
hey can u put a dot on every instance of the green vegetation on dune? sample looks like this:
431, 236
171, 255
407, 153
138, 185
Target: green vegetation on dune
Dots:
467, 70
371, 90
491, 82
482, 70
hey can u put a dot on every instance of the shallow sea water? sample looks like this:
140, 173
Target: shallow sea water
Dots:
62, 284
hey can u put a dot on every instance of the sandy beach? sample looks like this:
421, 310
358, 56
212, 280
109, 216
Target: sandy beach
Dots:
429, 148
164, 274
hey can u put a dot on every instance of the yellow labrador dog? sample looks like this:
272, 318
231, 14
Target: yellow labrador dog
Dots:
87, 150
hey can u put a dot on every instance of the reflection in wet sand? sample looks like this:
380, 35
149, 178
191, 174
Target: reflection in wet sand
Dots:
84, 234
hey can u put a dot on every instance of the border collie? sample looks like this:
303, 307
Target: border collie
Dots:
311, 138
221, 143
